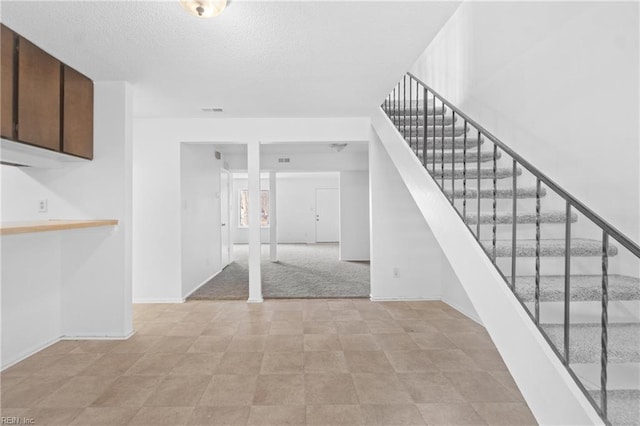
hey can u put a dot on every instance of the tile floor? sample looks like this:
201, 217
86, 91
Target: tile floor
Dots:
282, 362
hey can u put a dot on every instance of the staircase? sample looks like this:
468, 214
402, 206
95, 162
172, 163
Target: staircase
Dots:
585, 299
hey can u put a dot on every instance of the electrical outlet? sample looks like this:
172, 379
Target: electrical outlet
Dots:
396, 272
43, 206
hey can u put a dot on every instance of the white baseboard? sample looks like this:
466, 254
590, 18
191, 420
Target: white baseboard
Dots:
260, 300
26, 354
184, 298
405, 299
98, 337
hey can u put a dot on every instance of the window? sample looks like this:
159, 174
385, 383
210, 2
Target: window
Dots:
243, 221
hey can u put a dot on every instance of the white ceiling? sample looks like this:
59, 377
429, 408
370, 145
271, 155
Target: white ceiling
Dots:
259, 58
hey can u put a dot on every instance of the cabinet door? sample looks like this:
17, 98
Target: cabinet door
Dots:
38, 97
7, 52
77, 126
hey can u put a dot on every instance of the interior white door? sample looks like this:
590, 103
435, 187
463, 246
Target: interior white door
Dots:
327, 215
225, 235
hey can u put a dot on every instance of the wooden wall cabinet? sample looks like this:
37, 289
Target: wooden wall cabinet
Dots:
45, 103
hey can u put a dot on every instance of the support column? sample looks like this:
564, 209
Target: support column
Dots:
273, 222
253, 168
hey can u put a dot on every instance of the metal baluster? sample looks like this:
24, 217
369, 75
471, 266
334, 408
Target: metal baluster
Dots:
567, 282
537, 291
453, 160
433, 123
442, 148
478, 180
495, 201
425, 102
411, 115
605, 321
395, 105
464, 173
404, 109
514, 227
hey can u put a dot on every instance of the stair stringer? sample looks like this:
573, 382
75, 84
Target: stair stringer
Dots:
551, 393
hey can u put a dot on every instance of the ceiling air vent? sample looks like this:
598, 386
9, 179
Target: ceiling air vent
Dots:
211, 109
284, 160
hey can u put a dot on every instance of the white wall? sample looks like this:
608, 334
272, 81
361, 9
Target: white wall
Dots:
201, 215
556, 81
92, 279
406, 260
354, 216
156, 183
296, 206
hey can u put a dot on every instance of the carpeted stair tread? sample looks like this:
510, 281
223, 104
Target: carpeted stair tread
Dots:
500, 173
507, 218
500, 193
623, 406
580, 247
438, 131
623, 344
583, 288
449, 142
471, 157
419, 120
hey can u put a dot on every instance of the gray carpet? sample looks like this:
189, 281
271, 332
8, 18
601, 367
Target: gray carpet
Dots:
303, 271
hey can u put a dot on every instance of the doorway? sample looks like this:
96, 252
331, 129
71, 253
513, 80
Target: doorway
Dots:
225, 219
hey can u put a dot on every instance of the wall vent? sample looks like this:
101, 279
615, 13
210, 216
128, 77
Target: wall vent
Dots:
284, 160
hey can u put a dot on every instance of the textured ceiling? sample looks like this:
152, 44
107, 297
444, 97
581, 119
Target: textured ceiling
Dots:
259, 58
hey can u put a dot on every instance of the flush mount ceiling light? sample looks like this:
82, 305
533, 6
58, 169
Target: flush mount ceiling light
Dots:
338, 146
204, 8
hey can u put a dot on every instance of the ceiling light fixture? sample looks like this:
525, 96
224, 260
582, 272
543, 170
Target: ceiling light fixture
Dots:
204, 8
338, 146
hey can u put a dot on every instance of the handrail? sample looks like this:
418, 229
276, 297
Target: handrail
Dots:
594, 217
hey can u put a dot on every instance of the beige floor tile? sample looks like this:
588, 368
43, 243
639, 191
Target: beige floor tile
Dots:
340, 305
319, 327
430, 387
346, 315
416, 326
375, 315
286, 328
253, 328
486, 359
178, 391
321, 342
172, 344
229, 389
279, 389
380, 389
282, 363
329, 388
432, 340
61, 347
367, 362
334, 415
200, 316
187, 329
68, 365
284, 343
480, 386
394, 414
128, 391
111, 364
202, 416
219, 328
450, 414
240, 363
410, 361
358, 342
30, 391
136, 344
210, 344
248, 343
156, 416
154, 364
287, 316
471, 340
277, 415
330, 362
94, 346
105, 416
153, 328
396, 342
505, 379
384, 327
79, 392
197, 364
32, 365
351, 327
505, 413
455, 325
317, 315
452, 360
